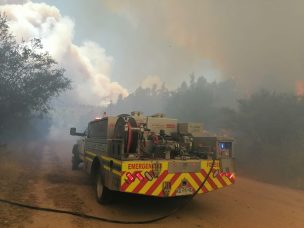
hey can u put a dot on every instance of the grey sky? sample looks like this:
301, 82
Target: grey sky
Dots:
136, 53
259, 43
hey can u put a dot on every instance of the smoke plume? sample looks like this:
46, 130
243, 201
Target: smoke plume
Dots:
258, 43
152, 81
88, 64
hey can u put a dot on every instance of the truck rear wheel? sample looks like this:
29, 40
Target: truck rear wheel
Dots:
104, 195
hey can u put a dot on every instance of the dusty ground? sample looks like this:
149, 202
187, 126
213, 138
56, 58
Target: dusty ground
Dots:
41, 175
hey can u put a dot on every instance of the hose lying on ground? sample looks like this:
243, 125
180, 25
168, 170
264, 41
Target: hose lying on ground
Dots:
83, 215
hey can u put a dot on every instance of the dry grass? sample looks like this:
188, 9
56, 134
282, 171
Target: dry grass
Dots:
17, 173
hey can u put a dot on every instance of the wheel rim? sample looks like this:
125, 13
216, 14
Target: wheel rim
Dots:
99, 187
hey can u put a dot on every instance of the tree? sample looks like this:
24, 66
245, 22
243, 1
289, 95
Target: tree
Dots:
270, 133
196, 102
29, 78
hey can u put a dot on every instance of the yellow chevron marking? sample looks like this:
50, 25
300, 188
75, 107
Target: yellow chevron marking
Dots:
147, 186
122, 179
226, 179
168, 178
159, 188
176, 184
192, 182
207, 185
188, 177
198, 185
132, 186
216, 181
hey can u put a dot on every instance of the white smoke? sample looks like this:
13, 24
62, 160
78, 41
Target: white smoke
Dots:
258, 43
152, 81
88, 65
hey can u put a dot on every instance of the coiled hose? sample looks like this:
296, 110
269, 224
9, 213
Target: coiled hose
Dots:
87, 216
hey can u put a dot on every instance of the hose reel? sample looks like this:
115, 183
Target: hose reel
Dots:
127, 130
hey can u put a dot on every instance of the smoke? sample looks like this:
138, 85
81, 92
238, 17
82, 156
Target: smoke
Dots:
152, 81
88, 64
258, 43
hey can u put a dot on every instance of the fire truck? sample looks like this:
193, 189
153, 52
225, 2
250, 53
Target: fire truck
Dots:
153, 156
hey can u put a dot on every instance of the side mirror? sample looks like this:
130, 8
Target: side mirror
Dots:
73, 131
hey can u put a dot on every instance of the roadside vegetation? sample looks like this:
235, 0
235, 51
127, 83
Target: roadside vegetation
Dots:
29, 79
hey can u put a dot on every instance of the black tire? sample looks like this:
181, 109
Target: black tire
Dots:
103, 194
75, 163
75, 159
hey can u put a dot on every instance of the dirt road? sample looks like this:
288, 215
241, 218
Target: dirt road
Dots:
40, 174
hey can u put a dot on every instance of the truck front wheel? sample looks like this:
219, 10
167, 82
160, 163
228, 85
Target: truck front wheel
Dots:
104, 195
75, 159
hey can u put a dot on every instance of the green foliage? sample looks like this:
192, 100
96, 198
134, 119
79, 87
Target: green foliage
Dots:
201, 101
29, 78
196, 101
148, 100
269, 129
192, 103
